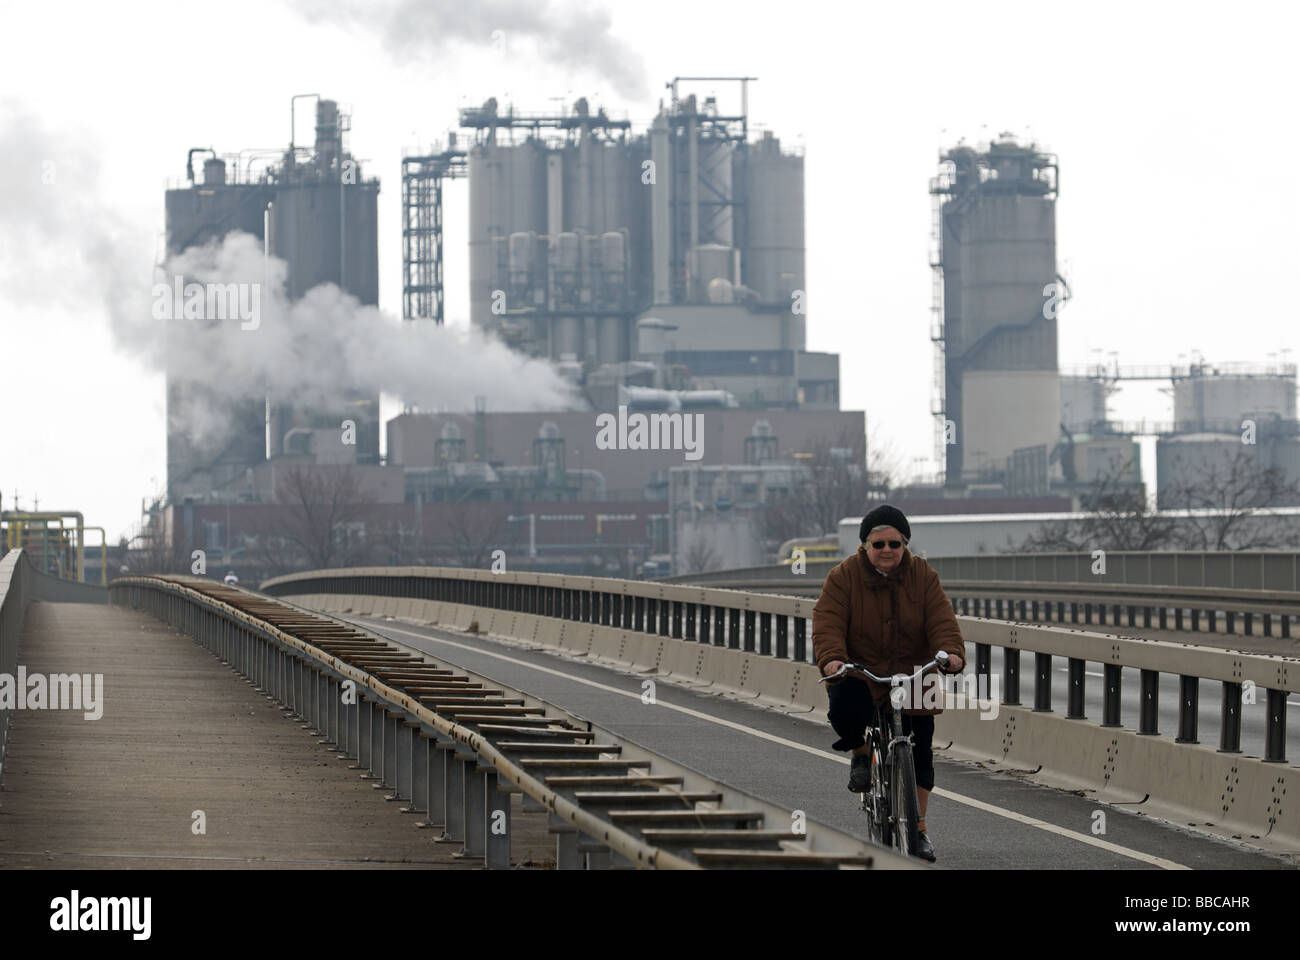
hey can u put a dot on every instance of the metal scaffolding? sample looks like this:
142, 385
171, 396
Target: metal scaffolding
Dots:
422, 287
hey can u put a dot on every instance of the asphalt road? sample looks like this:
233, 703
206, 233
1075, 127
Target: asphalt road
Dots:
977, 818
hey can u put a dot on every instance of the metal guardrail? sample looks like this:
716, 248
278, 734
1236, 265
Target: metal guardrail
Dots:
764, 623
446, 738
1233, 569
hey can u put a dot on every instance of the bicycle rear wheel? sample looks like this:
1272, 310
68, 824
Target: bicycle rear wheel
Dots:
876, 801
906, 810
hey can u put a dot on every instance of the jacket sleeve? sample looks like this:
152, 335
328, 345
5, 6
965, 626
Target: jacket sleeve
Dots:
830, 620
941, 627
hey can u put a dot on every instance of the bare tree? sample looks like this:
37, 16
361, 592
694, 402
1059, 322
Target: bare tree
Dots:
474, 530
1118, 518
700, 557
319, 520
1227, 495
832, 485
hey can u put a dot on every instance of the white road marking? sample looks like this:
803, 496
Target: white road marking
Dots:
814, 751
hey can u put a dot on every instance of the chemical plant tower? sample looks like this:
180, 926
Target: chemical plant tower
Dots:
997, 291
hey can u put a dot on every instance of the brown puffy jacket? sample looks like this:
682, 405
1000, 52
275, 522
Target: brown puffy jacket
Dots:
889, 624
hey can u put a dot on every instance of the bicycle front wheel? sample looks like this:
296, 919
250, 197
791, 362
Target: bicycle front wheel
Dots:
906, 812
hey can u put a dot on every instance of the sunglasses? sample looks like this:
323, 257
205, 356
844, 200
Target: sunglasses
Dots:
880, 544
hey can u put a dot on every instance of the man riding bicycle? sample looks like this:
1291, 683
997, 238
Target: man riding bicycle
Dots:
885, 609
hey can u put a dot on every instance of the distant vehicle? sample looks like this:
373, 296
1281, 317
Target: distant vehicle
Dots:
819, 553
231, 579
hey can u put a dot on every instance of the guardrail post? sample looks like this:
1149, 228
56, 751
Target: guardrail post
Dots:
1189, 695
476, 814
1231, 620
436, 761
1146, 616
332, 708
454, 794
1110, 694
1230, 720
749, 631
665, 617
1074, 697
1268, 623
364, 717
1074, 611
765, 634
1196, 619
690, 621
677, 619
801, 639
1149, 704
1275, 731
706, 623
984, 663
1043, 682
1164, 618
1011, 668
566, 844
638, 614
733, 633
402, 785
1087, 611
1132, 615
606, 608
719, 626
1249, 617
782, 637
388, 774
1286, 624
1000, 617
1211, 620
496, 836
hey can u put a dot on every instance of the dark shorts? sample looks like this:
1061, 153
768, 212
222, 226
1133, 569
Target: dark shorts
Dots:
852, 711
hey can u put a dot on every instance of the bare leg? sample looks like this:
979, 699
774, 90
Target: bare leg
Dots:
922, 800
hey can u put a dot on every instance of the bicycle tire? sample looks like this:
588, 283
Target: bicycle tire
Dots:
906, 810
877, 802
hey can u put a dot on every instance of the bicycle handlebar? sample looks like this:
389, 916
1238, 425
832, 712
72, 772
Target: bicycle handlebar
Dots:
940, 660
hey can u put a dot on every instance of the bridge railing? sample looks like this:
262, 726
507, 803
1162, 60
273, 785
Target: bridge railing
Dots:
777, 626
765, 648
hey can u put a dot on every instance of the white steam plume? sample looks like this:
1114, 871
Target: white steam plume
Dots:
574, 34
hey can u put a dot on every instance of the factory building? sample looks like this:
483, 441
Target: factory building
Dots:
314, 210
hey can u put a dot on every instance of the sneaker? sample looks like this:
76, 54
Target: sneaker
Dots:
860, 773
924, 848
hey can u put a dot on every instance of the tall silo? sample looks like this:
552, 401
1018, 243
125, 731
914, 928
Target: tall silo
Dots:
197, 465
775, 212
507, 194
998, 258
324, 225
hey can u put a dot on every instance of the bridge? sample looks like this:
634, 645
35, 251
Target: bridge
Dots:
444, 717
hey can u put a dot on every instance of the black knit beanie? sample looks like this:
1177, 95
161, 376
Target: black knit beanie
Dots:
884, 516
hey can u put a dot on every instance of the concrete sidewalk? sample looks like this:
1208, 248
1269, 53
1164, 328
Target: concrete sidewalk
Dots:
181, 732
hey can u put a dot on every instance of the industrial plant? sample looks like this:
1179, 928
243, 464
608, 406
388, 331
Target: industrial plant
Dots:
660, 271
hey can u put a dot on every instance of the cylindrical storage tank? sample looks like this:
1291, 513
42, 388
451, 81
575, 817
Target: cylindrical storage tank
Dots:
214, 172
613, 257
721, 290
567, 336
706, 263
1222, 401
507, 194
565, 263
610, 340
694, 399
520, 254
775, 211
716, 188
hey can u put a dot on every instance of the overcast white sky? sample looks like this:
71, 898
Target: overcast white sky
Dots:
1174, 123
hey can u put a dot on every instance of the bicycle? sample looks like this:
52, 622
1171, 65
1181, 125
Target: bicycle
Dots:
890, 801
